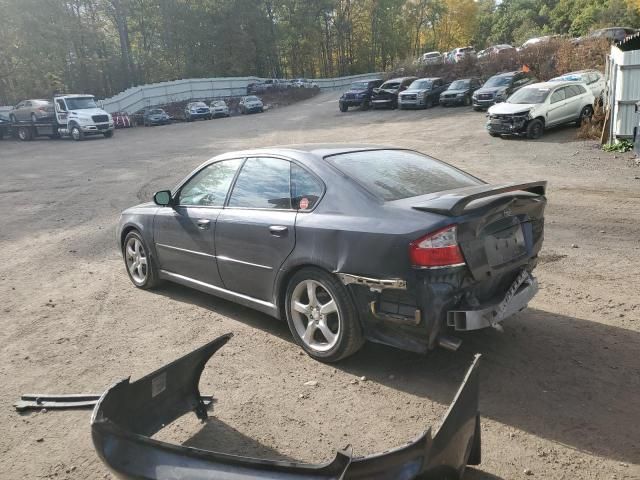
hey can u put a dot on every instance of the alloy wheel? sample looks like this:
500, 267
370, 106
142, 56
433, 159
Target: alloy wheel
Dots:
315, 315
136, 258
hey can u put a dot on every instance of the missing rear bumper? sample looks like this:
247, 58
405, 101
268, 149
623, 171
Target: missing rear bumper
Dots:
128, 414
517, 298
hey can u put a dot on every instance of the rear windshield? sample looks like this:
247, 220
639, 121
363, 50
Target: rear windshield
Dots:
396, 174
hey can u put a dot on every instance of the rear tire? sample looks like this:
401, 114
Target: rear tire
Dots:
365, 105
467, 101
535, 129
325, 322
585, 114
140, 266
428, 103
108, 134
25, 134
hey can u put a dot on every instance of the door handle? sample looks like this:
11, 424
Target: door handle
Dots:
203, 223
278, 230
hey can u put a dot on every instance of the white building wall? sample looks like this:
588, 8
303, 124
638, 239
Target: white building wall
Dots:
624, 78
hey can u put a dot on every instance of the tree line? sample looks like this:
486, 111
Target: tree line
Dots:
105, 46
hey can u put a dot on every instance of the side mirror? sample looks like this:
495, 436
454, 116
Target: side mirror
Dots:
162, 198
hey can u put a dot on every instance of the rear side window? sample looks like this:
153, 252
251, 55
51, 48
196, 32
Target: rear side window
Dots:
262, 183
396, 174
306, 189
210, 185
558, 95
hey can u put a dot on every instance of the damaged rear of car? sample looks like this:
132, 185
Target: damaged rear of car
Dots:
129, 413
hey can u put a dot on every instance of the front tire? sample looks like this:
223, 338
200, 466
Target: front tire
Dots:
535, 129
343, 107
76, 133
108, 134
139, 264
322, 316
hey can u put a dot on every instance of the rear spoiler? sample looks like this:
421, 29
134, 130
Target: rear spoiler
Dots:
453, 202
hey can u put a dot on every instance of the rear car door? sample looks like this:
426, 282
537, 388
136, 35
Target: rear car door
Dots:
574, 100
255, 232
184, 233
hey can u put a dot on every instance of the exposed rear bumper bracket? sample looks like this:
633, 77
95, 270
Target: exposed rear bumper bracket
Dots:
374, 284
464, 320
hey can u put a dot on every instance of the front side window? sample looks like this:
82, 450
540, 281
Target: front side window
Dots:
396, 174
306, 189
262, 183
210, 185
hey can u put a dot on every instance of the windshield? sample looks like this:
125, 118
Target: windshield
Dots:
431, 55
252, 99
529, 95
80, 103
391, 85
219, 103
396, 174
459, 85
359, 85
198, 104
420, 85
498, 81
156, 111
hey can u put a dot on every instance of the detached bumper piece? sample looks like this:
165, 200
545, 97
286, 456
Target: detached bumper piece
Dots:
128, 414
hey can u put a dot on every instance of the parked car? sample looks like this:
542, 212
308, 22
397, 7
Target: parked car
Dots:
449, 57
302, 83
346, 243
32, 110
422, 93
460, 92
538, 41
536, 107
359, 94
219, 108
121, 120
460, 54
499, 87
250, 104
386, 96
5, 124
195, 110
613, 34
432, 58
592, 78
155, 116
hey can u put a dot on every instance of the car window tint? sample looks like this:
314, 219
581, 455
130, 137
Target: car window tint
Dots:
209, 186
304, 186
558, 95
262, 183
395, 174
575, 90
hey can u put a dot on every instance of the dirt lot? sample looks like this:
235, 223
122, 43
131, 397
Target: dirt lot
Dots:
560, 386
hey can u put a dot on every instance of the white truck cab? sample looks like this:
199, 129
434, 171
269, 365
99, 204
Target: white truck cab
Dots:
79, 115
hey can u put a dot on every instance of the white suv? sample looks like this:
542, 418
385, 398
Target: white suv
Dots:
592, 78
538, 106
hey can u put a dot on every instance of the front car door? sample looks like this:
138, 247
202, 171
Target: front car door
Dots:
184, 233
557, 107
255, 232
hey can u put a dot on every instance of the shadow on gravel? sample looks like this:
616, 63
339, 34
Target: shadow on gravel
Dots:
215, 432
569, 380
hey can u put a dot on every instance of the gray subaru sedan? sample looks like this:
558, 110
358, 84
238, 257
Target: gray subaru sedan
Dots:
347, 243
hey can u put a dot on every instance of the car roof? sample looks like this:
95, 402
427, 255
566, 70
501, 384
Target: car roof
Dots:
551, 84
318, 150
400, 79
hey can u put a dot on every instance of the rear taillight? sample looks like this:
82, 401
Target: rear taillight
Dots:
437, 249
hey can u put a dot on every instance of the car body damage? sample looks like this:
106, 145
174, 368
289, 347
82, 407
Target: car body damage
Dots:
128, 414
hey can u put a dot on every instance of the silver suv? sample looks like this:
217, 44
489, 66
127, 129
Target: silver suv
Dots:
538, 106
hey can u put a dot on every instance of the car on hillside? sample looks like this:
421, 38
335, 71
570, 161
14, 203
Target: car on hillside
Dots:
302, 83
460, 92
613, 34
155, 116
422, 93
432, 58
495, 51
592, 78
250, 104
459, 54
539, 106
219, 108
386, 96
196, 110
538, 41
5, 123
33, 110
359, 94
346, 243
499, 87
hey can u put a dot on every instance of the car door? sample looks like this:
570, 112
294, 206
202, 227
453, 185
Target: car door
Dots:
255, 232
19, 111
575, 101
557, 107
184, 233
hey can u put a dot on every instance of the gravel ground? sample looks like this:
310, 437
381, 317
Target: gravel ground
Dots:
560, 386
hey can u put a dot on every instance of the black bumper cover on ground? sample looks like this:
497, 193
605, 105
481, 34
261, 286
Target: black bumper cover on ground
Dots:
128, 414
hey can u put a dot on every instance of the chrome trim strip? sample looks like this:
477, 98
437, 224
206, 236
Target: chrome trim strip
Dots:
454, 265
216, 289
169, 247
233, 260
